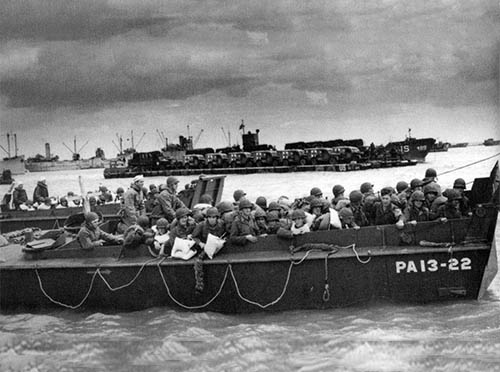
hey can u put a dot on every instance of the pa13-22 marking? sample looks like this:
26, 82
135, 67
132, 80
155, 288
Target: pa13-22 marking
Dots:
432, 265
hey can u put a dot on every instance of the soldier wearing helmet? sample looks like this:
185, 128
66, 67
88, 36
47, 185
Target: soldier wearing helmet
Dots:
433, 199
450, 209
212, 225
325, 217
169, 201
346, 217
316, 193
244, 228
182, 227
119, 195
430, 176
356, 199
369, 201
460, 186
261, 202
237, 195
227, 213
299, 225
416, 211
91, 236
273, 223
338, 194
261, 221
162, 235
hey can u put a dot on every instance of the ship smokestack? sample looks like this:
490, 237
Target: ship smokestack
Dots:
47, 150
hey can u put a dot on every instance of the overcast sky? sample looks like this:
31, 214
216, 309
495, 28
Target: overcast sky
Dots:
297, 70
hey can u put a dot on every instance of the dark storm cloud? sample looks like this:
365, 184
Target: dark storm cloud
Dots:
70, 20
91, 52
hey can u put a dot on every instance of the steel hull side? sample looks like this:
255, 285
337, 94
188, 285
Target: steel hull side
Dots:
242, 283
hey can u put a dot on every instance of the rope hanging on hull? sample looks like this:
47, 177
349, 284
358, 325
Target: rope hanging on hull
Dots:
229, 270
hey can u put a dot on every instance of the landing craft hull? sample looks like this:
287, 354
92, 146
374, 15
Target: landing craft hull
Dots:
412, 148
12, 220
351, 267
395, 275
426, 262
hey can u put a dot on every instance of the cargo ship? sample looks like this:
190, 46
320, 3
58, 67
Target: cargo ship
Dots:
49, 162
11, 165
333, 155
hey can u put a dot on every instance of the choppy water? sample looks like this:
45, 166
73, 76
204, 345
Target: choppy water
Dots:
457, 336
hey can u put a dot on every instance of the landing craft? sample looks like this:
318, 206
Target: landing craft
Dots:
428, 262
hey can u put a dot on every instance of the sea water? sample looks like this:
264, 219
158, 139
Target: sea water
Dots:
454, 336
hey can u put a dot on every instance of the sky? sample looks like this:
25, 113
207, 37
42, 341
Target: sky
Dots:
297, 70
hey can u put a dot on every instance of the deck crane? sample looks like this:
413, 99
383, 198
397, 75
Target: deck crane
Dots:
163, 139
197, 138
76, 154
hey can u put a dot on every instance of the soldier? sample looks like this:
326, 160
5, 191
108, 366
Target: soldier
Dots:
416, 211
63, 203
183, 228
91, 236
41, 191
416, 185
315, 193
403, 193
139, 233
430, 176
237, 195
19, 196
369, 201
161, 235
387, 213
450, 209
327, 218
347, 219
226, 211
356, 197
274, 206
212, 225
169, 201
299, 225
433, 199
261, 202
244, 228
338, 194
104, 195
119, 195
465, 208
273, 222
133, 204
261, 221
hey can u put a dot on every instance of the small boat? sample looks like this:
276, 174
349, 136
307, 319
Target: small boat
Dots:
491, 142
427, 262
12, 220
440, 147
460, 144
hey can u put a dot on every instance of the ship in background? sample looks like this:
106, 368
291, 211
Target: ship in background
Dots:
412, 148
51, 162
11, 165
491, 142
460, 144
440, 146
